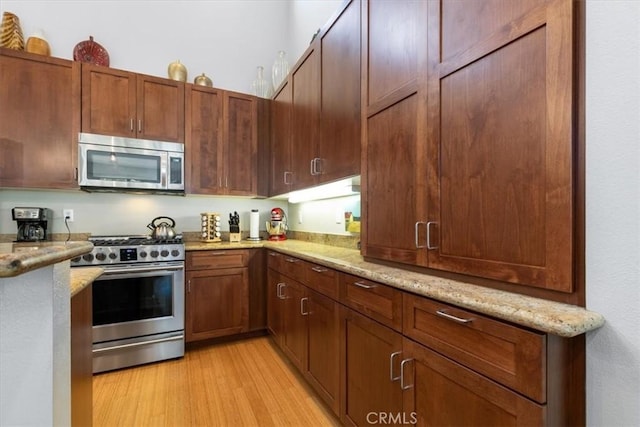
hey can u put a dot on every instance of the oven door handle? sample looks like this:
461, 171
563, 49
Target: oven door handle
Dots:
138, 344
137, 270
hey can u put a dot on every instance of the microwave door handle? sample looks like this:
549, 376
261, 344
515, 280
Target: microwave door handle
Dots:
164, 180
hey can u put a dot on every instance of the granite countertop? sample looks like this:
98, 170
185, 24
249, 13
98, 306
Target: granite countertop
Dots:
81, 277
556, 318
19, 258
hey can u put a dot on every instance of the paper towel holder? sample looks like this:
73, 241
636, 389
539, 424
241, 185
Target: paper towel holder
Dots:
254, 226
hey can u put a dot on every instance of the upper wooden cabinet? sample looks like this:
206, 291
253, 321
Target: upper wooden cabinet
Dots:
319, 107
224, 142
121, 103
487, 169
39, 120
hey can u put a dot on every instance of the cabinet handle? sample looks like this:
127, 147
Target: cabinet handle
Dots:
391, 358
302, 309
287, 174
364, 285
272, 254
131, 124
319, 269
291, 259
416, 231
315, 169
226, 182
75, 174
189, 286
279, 290
429, 246
443, 313
139, 125
403, 386
311, 166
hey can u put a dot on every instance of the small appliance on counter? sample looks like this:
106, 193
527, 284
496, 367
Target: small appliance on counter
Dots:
277, 227
32, 223
211, 230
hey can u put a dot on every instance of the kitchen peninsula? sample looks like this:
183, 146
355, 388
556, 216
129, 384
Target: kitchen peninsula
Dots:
36, 289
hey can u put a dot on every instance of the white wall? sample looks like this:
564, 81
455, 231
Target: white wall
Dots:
306, 17
612, 213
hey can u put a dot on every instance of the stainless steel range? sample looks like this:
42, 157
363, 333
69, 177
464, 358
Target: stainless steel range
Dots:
138, 303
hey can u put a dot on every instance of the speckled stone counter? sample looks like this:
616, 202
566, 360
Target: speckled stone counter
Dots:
18, 258
547, 316
81, 277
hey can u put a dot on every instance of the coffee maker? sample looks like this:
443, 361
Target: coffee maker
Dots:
32, 223
277, 227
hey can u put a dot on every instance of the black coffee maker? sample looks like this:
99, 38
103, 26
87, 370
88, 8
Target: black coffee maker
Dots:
32, 223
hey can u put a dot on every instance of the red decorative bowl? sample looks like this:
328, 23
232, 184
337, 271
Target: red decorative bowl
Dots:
91, 52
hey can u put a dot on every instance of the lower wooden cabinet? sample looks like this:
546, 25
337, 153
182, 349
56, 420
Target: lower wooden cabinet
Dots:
217, 294
82, 357
294, 336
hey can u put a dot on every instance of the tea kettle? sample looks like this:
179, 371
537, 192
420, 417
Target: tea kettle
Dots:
162, 230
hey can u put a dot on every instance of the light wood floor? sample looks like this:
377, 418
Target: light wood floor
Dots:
241, 383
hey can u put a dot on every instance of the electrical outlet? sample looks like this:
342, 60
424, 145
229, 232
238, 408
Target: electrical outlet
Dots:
67, 214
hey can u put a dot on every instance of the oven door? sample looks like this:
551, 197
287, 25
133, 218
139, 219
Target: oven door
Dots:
138, 300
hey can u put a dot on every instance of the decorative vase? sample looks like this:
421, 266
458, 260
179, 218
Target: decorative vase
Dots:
280, 69
10, 32
261, 87
203, 80
177, 71
36, 43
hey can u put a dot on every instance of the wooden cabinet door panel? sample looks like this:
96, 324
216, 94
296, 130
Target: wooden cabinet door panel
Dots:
444, 393
280, 155
502, 199
241, 148
218, 302
39, 121
203, 143
367, 368
275, 305
108, 101
339, 147
323, 370
295, 336
390, 201
305, 118
160, 109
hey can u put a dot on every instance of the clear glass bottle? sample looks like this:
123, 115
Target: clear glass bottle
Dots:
280, 69
261, 87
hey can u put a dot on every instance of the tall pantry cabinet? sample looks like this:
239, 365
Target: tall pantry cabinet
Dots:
469, 152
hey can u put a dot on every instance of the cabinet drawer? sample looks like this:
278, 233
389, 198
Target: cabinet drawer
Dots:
321, 279
287, 265
379, 302
510, 355
206, 260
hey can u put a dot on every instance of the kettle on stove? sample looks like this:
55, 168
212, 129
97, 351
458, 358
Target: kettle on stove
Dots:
162, 230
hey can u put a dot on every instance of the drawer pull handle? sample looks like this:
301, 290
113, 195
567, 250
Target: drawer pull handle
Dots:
279, 290
364, 285
391, 358
273, 254
291, 259
446, 315
404, 386
319, 269
303, 311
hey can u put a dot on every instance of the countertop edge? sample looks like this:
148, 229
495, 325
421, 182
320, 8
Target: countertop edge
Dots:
38, 255
552, 317
81, 277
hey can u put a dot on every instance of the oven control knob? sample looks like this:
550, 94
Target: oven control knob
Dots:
142, 254
101, 256
154, 254
112, 255
76, 259
87, 257
164, 253
175, 252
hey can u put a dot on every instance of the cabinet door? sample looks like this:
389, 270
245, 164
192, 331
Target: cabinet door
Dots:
280, 156
501, 110
305, 118
160, 109
241, 145
339, 147
203, 144
371, 369
296, 306
440, 392
217, 303
39, 124
108, 101
82, 357
275, 305
323, 370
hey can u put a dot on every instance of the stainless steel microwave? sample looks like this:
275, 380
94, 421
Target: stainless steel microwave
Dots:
109, 163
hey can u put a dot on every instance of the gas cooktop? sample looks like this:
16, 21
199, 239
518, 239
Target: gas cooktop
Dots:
113, 250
